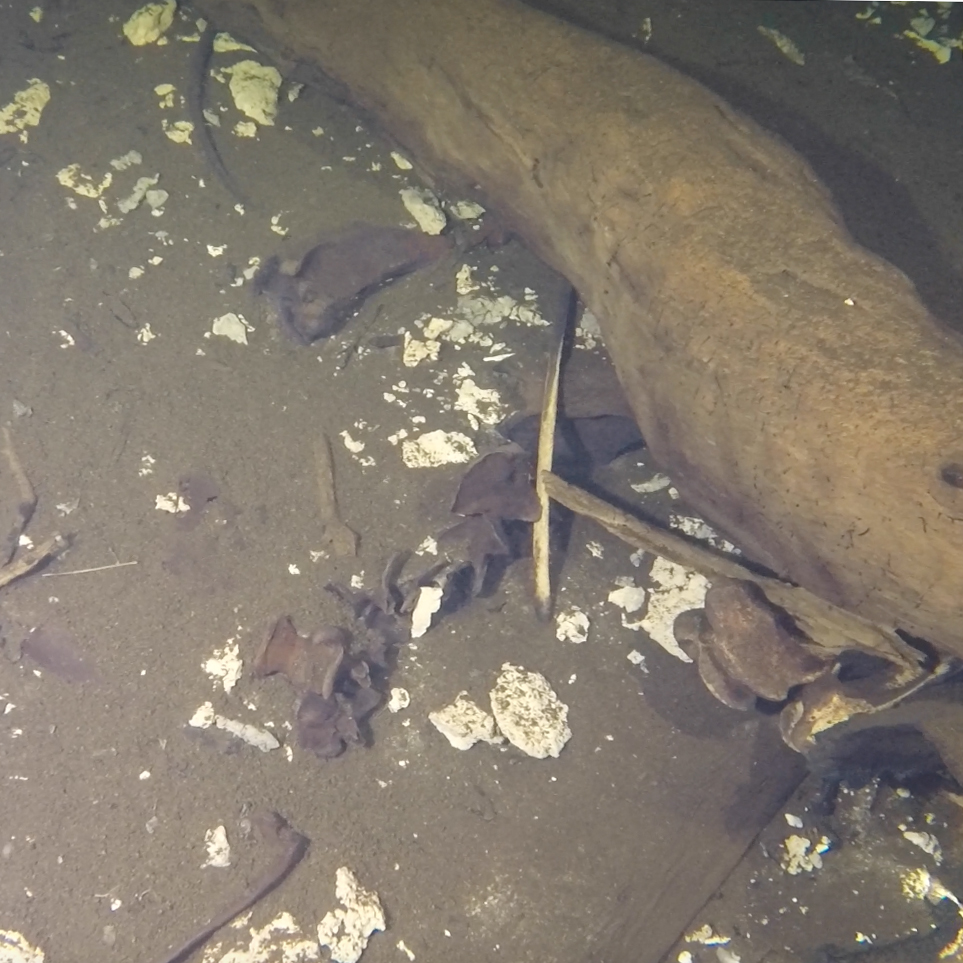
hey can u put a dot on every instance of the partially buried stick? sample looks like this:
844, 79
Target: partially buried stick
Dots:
26, 505
342, 539
289, 845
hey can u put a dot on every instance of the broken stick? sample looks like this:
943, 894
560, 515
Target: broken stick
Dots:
32, 558
26, 505
541, 551
341, 539
826, 624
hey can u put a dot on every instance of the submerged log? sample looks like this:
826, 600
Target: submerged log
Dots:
791, 382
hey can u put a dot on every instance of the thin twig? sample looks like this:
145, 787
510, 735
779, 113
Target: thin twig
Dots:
85, 571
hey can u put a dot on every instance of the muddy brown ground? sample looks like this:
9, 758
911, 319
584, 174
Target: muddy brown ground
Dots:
107, 793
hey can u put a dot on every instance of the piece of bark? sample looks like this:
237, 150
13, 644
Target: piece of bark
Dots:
791, 382
335, 276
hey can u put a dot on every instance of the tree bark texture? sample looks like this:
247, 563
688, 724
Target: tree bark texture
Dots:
791, 382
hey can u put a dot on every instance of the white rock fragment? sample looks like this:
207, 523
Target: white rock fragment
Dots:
571, 625
225, 665
655, 484
178, 131
415, 351
131, 158
483, 406
637, 658
83, 184
232, 326
485, 311
428, 603
280, 939
423, 206
165, 93
802, 855
399, 699
435, 448
794, 821
133, 200
919, 884
529, 713
172, 503
697, 528
155, 200
218, 849
785, 46
629, 597
145, 333
225, 43
345, 932
205, 717
353, 445
467, 210
254, 88
676, 590
927, 842
15, 949
25, 108
707, 936
401, 162
150, 22
463, 723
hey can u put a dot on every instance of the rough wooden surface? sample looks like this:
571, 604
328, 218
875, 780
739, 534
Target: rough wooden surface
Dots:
791, 382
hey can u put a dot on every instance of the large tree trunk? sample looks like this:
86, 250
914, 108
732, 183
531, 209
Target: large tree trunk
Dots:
791, 382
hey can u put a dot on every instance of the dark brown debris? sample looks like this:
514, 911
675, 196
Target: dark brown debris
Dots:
499, 484
308, 663
745, 647
476, 542
332, 678
315, 299
327, 726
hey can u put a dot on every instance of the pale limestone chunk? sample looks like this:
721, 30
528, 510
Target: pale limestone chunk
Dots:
429, 602
463, 723
435, 448
254, 88
529, 713
423, 206
218, 849
150, 22
345, 932
571, 625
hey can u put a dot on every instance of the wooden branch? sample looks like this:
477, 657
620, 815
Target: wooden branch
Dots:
541, 549
32, 558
